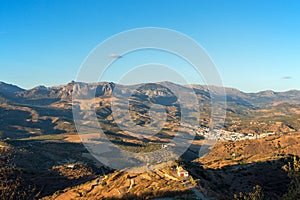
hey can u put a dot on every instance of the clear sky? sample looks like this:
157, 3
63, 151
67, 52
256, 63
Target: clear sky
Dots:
255, 44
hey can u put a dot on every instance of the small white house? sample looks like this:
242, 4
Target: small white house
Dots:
70, 166
182, 173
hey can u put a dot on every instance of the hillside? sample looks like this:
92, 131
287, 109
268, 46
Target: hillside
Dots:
40, 146
228, 169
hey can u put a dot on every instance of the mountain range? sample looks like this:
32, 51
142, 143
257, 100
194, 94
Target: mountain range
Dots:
47, 110
14, 93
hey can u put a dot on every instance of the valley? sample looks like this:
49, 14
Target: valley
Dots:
43, 157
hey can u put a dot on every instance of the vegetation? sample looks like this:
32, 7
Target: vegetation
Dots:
13, 185
256, 194
293, 170
45, 137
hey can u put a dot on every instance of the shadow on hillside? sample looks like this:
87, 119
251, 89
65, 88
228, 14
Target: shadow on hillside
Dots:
65, 114
230, 180
19, 124
194, 151
39, 102
156, 195
37, 159
24, 129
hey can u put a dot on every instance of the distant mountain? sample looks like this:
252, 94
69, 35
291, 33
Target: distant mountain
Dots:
258, 100
8, 92
8, 89
65, 91
47, 95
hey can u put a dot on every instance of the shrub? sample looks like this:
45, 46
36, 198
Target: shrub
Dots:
257, 194
293, 170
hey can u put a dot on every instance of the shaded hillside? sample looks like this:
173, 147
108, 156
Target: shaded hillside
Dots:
24, 121
233, 167
9, 88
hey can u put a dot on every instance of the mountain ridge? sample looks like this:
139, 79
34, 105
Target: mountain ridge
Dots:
228, 89
9, 92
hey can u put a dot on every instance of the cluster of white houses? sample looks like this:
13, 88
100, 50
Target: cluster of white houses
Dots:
234, 136
223, 135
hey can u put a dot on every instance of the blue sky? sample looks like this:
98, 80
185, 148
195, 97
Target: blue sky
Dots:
255, 44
